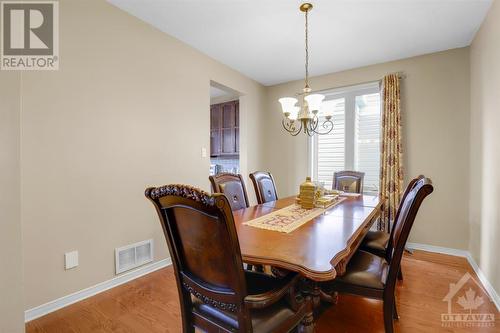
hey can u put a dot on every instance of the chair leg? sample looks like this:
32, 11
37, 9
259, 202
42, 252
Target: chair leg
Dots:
388, 314
395, 313
259, 268
279, 272
400, 274
409, 251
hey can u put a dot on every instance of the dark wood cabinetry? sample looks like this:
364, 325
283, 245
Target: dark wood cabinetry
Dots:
224, 129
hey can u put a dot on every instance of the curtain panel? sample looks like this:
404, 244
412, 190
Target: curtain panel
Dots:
391, 153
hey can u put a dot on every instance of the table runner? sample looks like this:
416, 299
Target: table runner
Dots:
289, 218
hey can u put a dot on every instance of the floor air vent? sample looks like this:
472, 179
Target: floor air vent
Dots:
133, 255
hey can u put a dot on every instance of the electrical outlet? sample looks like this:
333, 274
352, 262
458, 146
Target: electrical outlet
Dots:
203, 152
70, 259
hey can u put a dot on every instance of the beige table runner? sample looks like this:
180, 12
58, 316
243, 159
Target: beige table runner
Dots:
289, 218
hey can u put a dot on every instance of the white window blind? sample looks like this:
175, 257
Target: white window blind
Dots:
354, 143
367, 139
331, 147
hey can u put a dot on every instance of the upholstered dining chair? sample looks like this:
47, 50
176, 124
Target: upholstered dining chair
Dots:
370, 276
222, 297
233, 186
348, 181
377, 242
265, 188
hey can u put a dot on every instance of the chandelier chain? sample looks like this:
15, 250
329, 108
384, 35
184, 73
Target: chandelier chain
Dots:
307, 49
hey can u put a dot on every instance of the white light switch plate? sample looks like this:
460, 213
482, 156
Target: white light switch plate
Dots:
203, 152
71, 259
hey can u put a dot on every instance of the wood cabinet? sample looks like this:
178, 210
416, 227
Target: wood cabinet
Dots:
224, 129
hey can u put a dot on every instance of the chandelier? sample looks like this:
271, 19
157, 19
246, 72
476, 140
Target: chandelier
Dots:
306, 118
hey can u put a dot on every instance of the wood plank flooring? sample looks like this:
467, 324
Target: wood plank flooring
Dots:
150, 304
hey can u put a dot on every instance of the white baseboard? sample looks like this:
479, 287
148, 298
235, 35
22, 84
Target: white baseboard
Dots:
64, 301
466, 254
438, 249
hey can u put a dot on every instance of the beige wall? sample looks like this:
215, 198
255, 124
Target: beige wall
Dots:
105, 126
435, 112
129, 108
11, 261
485, 147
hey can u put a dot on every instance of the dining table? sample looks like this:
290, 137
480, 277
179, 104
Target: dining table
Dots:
318, 250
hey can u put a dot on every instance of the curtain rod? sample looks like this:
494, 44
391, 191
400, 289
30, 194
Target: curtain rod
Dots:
401, 76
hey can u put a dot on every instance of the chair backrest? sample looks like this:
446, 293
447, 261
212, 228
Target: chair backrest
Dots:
233, 187
201, 236
348, 181
410, 187
406, 214
265, 188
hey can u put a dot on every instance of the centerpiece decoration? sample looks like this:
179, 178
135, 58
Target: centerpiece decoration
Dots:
307, 195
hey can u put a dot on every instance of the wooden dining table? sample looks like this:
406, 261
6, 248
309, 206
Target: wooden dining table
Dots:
319, 250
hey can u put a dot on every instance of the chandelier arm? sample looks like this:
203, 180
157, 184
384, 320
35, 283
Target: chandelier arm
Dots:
314, 123
327, 124
298, 131
289, 126
310, 132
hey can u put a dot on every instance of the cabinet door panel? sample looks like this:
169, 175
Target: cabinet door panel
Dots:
215, 142
224, 125
228, 115
237, 114
237, 140
228, 141
215, 116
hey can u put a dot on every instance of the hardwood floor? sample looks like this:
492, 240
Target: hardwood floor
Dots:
150, 304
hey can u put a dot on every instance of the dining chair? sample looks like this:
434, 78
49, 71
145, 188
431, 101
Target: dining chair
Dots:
264, 186
265, 191
233, 186
216, 293
377, 242
348, 181
371, 276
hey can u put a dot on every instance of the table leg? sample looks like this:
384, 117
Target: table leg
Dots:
319, 295
316, 295
312, 290
307, 325
329, 298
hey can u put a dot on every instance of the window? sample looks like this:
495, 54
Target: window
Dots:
354, 143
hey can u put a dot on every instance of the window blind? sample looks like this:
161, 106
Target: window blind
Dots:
354, 143
367, 140
331, 147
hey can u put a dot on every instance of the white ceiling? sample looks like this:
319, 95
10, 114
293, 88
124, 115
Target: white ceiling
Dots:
216, 92
264, 39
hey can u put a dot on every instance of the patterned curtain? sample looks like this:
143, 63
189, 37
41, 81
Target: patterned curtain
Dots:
391, 154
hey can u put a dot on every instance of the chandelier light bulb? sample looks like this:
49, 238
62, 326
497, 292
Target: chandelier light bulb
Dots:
288, 104
314, 101
294, 113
